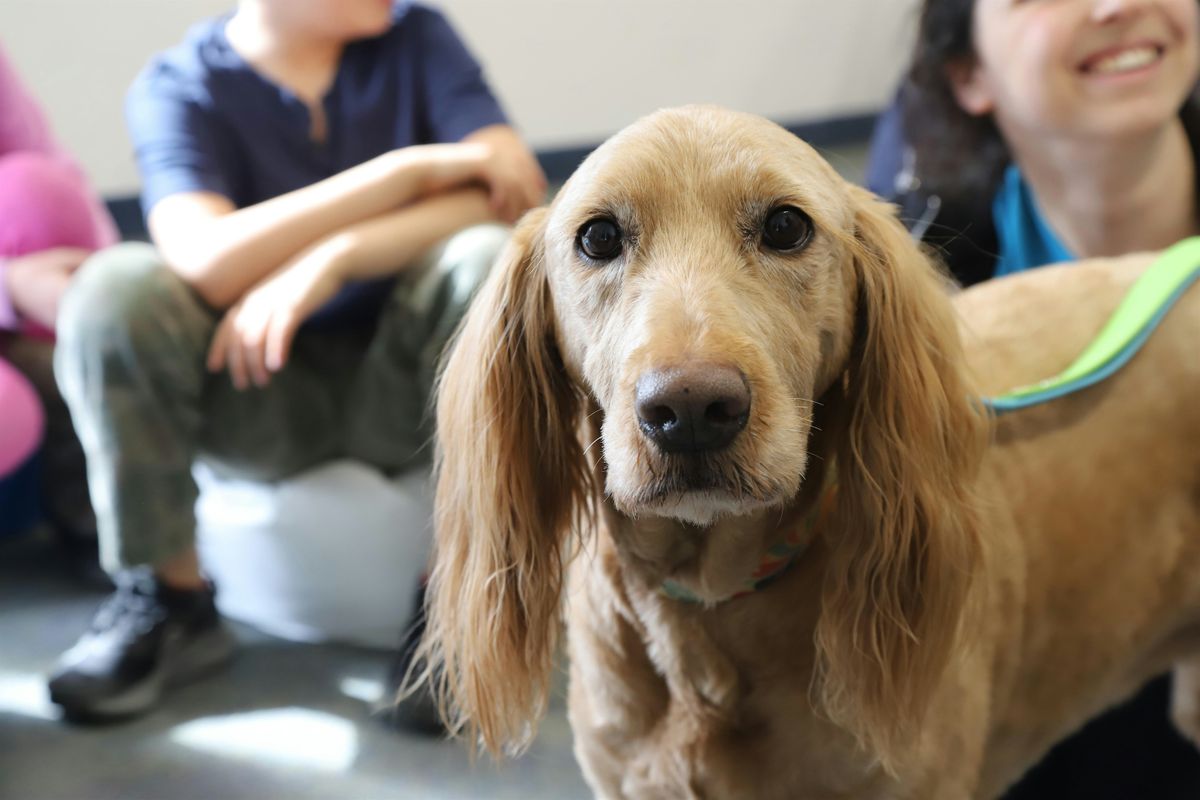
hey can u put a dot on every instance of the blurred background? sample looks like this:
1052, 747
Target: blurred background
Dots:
293, 718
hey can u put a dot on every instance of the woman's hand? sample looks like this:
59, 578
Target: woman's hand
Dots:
36, 282
254, 339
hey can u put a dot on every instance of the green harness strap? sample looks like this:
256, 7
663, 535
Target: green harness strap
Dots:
1147, 302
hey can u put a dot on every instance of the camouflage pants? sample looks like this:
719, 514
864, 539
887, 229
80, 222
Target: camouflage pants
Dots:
132, 342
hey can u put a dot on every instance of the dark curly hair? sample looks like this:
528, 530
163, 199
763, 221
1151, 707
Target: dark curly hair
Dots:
959, 155
956, 153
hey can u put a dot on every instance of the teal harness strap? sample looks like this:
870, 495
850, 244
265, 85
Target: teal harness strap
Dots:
1147, 302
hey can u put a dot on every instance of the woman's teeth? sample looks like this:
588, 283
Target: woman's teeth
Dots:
1126, 60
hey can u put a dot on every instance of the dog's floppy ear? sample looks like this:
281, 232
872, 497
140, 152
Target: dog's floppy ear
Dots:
906, 541
510, 481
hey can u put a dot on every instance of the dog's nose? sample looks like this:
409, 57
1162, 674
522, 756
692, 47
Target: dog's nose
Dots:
697, 407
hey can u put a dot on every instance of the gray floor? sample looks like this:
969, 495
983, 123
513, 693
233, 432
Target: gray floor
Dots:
285, 721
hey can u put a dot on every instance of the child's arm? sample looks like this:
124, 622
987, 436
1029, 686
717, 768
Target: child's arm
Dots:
388, 243
222, 251
255, 336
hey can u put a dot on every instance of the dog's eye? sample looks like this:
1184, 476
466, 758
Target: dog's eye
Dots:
786, 228
600, 239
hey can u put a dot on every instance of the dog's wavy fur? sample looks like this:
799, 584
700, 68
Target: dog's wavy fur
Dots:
896, 657
504, 511
898, 576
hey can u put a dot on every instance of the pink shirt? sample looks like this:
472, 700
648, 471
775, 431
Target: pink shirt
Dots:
37, 174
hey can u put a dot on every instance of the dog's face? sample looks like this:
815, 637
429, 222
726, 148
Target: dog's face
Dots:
698, 272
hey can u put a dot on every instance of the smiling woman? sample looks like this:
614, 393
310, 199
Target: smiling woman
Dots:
1050, 131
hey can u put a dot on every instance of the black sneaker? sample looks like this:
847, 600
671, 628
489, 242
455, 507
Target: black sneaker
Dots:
416, 713
145, 637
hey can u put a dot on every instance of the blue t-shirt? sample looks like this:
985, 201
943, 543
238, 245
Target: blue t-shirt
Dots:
1026, 239
202, 119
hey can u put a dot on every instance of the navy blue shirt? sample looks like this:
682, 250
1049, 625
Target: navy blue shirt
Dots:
202, 119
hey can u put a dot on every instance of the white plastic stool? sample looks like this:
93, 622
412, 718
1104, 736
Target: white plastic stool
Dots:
331, 554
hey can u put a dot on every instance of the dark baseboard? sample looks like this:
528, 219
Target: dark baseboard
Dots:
559, 163
127, 213
836, 132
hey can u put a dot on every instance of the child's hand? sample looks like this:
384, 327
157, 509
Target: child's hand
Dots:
254, 339
36, 282
514, 179
494, 157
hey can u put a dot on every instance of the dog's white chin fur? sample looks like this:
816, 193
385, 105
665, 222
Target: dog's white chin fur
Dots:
700, 508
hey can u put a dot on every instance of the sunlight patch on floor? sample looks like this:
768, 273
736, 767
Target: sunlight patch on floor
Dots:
291, 737
24, 693
364, 689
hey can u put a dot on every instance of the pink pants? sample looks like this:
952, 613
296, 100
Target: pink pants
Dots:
21, 421
43, 204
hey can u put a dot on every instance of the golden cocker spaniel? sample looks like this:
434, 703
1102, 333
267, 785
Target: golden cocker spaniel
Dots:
713, 361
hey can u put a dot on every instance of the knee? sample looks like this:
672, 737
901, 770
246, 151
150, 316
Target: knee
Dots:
42, 205
115, 297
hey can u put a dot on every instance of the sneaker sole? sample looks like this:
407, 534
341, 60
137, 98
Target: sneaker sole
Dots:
180, 665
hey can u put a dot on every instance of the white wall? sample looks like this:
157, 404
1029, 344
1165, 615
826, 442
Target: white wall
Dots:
573, 71
570, 72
